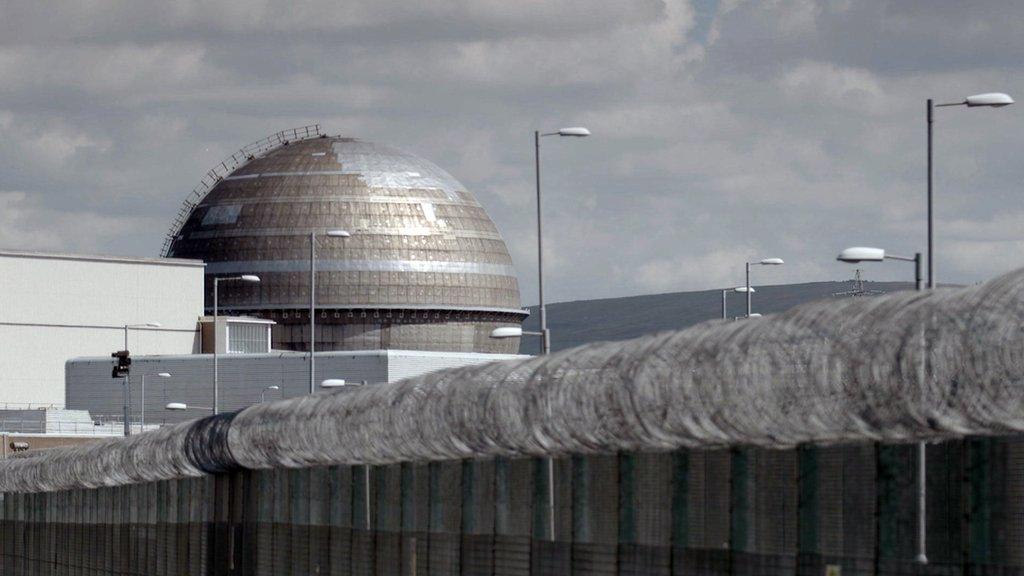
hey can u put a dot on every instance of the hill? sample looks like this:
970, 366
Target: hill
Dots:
582, 321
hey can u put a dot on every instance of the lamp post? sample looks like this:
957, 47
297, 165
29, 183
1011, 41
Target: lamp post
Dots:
264, 391
335, 383
513, 332
127, 384
544, 333
725, 301
990, 100
577, 132
859, 254
765, 262
216, 286
142, 408
518, 332
340, 383
179, 406
312, 301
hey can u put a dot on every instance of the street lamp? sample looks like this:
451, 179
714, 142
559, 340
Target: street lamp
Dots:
545, 334
216, 285
991, 100
264, 391
182, 406
513, 332
142, 409
765, 262
725, 314
577, 132
334, 383
127, 384
858, 254
312, 300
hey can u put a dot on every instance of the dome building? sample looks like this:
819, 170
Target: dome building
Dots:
425, 268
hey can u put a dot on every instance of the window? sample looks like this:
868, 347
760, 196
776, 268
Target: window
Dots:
247, 338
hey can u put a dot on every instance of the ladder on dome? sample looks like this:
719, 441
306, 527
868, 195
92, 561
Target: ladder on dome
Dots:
229, 165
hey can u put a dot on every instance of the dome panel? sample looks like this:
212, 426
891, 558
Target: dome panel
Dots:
421, 249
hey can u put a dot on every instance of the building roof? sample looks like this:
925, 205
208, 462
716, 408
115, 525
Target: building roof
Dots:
237, 320
102, 258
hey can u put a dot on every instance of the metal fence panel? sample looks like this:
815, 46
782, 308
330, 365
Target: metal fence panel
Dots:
362, 547
848, 508
478, 517
897, 507
388, 519
595, 510
445, 518
513, 512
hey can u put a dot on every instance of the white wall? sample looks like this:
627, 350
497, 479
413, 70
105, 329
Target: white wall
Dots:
410, 363
55, 307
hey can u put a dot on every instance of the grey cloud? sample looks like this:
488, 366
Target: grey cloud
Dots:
721, 131
377, 22
890, 37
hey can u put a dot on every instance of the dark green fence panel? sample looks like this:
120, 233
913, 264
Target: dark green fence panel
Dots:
898, 510
387, 511
645, 494
833, 510
362, 546
478, 493
596, 513
340, 519
445, 518
513, 515
708, 506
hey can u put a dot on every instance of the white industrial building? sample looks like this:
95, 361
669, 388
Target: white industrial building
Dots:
54, 307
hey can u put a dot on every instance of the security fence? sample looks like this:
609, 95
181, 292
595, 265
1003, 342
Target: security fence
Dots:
668, 454
847, 510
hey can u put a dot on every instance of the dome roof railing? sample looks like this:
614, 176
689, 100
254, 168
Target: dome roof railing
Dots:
227, 166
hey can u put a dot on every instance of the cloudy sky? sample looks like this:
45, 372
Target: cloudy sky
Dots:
723, 130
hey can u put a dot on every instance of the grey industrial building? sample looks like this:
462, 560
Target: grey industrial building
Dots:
244, 379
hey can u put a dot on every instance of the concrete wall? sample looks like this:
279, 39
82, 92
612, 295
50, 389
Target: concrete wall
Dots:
54, 307
241, 378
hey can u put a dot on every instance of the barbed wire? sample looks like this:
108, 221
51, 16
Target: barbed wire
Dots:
903, 367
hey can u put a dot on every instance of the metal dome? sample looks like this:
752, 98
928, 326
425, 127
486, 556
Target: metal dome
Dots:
424, 269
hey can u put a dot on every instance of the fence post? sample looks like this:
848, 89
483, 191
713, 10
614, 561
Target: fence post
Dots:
966, 501
877, 510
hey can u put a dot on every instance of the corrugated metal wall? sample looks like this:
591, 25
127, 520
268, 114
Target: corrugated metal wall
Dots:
835, 510
241, 378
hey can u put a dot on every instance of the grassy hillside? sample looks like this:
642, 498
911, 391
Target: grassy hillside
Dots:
582, 321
